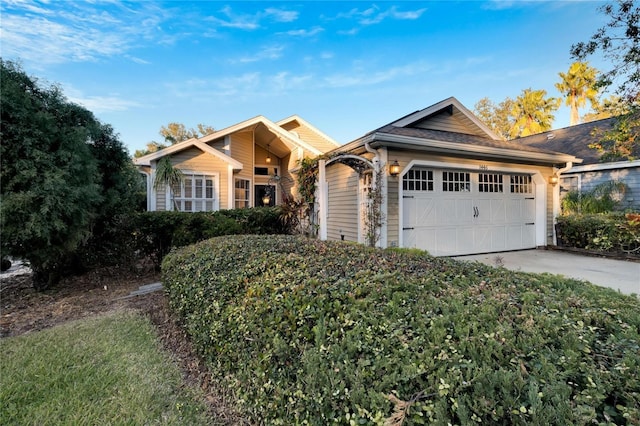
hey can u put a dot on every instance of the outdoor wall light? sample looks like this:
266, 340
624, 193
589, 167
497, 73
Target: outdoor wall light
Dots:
553, 179
266, 199
268, 160
394, 168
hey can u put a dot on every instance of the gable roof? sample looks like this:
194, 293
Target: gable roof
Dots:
413, 132
201, 143
309, 126
273, 127
471, 124
573, 140
181, 146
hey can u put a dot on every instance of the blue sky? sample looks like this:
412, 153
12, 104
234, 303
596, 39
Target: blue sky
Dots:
346, 67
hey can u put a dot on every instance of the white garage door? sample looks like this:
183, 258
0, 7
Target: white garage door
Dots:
455, 212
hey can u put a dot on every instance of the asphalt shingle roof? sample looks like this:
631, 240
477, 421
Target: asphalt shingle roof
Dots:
572, 140
460, 138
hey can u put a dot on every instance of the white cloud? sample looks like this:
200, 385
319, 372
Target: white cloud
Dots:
305, 33
364, 76
268, 53
498, 4
371, 17
242, 22
282, 15
74, 32
352, 31
285, 81
99, 104
40, 40
138, 60
375, 15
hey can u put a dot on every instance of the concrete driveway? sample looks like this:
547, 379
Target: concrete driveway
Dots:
620, 275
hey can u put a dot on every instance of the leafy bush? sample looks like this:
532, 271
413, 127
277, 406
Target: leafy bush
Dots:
612, 233
64, 175
311, 332
153, 234
603, 198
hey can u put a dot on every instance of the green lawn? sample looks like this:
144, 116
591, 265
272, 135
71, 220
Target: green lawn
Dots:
105, 370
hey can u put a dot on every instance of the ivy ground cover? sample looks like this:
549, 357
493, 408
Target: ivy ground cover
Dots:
310, 332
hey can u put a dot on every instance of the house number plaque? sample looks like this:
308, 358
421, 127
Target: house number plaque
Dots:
484, 167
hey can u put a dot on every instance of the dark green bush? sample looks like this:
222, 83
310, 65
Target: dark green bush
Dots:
310, 332
129, 238
609, 233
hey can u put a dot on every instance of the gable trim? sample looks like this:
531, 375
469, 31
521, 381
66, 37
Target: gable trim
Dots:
147, 159
308, 125
447, 105
273, 127
408, 142
603, 166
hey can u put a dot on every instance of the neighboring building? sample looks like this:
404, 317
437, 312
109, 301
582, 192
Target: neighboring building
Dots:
249, 164
575, 140
459, 189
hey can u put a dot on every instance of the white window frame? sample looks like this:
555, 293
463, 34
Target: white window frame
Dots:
247, 193
181, 199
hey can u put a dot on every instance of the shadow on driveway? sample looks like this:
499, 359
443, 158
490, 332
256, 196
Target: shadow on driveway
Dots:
620, 275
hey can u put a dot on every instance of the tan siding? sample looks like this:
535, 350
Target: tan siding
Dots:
550, 218
194, 160
448, 123
242, 150
309, 136
342, 218
392, 211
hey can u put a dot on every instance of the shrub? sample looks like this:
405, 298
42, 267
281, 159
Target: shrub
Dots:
611, 233
154, 234
311, 332
603, 198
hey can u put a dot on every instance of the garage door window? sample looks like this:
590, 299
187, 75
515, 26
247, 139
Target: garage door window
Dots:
456, 182
490, 182
418, 180
521, 184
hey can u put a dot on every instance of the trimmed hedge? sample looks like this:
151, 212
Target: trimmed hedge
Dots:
154, 234
311, 332
608, 233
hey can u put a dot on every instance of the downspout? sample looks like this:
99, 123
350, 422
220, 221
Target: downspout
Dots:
556, 198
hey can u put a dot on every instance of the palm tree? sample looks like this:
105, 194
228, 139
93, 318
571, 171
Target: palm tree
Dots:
532, 113
167, 175
577, 86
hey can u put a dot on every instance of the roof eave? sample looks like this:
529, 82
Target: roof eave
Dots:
405, 142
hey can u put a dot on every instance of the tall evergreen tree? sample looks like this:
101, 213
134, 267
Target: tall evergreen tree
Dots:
578, 85
62, 173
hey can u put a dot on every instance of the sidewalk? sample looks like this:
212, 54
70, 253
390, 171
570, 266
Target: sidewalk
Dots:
620, 275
